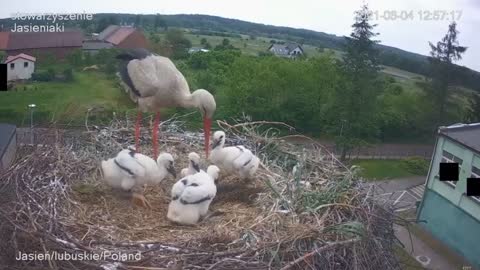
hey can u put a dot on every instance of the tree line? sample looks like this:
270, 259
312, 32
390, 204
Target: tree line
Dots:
204, 24
348, 100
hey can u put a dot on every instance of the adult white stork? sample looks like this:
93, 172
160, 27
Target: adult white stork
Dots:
153, 82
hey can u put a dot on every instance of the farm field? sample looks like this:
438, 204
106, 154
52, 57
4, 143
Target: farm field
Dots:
63, 101
248, 45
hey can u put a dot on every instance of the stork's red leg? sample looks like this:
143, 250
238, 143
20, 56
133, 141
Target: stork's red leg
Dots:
137, 131
155, 134
207, 125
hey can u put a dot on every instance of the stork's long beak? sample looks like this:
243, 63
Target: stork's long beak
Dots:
207, 125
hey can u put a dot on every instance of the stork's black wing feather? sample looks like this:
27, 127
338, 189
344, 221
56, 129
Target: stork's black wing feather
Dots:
127, 80
131, 54
127, 56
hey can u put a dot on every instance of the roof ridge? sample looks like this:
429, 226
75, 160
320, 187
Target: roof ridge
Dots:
459, 126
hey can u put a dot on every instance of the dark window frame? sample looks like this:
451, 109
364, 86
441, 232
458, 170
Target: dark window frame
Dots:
451, 158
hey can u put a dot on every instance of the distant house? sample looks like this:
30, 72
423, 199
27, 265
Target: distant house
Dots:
93, 45
197, 49
290, 50
39, 44
8, 145
125, 37
20, 67
447, 212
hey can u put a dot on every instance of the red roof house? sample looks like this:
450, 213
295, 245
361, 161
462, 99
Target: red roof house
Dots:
125, 37
22, 56
40, 44
20, 67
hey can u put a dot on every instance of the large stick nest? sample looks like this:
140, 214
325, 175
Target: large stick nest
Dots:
53, 200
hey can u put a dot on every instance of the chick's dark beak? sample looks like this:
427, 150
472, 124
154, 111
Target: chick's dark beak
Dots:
215, 143
195, 166
172, 171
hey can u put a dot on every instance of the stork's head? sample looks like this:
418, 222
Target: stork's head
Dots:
205, 102
165, 161
218, 139
213, 171
194, 159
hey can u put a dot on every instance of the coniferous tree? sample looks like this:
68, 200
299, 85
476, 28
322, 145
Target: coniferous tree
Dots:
138, 20
159, 22
443, 72
354, 113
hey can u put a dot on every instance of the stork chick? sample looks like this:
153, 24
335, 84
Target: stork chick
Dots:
193, 165
129, 171
191, 197
234, 159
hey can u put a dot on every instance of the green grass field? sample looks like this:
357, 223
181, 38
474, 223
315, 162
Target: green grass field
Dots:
401, 74
248, 45
381, 169
63, 101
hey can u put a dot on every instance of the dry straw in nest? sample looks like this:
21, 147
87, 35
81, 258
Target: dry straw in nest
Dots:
53, 199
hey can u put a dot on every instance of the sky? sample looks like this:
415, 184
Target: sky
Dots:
333, 17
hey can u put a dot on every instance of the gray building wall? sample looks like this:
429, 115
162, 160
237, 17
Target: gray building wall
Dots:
8, 145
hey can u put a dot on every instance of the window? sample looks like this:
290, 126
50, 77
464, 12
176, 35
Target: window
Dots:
12, 65
25, 64
475, 174
450, 158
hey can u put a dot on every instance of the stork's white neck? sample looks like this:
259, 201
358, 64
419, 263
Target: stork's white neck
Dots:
188, 101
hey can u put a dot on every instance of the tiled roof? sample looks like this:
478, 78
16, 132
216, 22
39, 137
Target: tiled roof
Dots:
119, 35
44, 40
293, 46
115, 34
107, 32
279, 49
22, 55
284, 49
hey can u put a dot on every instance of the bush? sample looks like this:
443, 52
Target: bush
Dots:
68, 74
416, 165
87, 59
110, 67
75, 58
44, 76
51, 73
